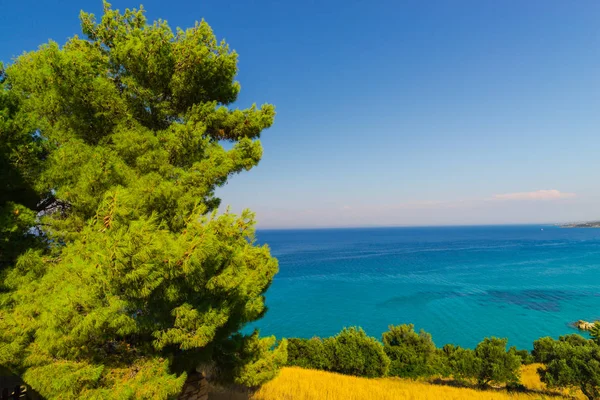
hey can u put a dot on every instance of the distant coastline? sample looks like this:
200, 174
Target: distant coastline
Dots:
590, 224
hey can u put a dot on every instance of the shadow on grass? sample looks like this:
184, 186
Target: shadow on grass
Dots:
216, 392
510, 388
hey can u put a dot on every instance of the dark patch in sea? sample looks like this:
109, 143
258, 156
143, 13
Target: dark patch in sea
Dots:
538, 300
419, 298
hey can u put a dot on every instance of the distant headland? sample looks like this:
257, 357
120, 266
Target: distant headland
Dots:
590, 224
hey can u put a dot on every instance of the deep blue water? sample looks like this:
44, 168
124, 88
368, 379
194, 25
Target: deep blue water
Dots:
461, 284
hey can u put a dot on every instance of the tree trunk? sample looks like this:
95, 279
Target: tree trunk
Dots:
590, 393
195, 387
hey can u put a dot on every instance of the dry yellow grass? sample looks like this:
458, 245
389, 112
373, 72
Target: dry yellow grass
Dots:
530, 378
303, 384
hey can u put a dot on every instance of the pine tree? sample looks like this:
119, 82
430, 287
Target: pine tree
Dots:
142, 281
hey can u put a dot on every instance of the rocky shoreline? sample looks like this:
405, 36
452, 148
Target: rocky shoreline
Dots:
584, 325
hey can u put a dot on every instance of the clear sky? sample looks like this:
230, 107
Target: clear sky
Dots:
397, 112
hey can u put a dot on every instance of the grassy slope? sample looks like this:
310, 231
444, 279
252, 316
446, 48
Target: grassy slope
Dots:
303, 384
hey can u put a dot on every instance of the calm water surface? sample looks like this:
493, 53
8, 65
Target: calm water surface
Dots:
461, 284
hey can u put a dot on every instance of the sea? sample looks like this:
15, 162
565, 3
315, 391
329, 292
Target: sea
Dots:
461, 284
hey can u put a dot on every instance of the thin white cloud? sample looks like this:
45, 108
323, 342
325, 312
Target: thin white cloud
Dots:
552, 194
469, 203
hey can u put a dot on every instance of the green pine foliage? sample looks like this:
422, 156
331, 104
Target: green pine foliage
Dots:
250, 360
143, 281
595, 332
21, 152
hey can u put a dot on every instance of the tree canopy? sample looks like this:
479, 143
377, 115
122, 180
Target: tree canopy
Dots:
141, 280
569, 362
497, 364
411, 353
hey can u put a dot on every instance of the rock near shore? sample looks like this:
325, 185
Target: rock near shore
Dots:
583, 325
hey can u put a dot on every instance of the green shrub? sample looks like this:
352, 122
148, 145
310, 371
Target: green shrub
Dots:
309, 353
355, 353
569, 362
463, 364
406, 353
526, 357
497, 365
489, 362
411, 354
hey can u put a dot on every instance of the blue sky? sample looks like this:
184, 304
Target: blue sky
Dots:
398, 112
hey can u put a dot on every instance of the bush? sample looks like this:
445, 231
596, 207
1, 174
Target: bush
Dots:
497, 365
462, 364
411, 354
355, 353
569, 362
489, 362
526, 357
309, 353
406, 353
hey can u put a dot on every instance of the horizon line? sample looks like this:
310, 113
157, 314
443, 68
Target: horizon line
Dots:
416, 226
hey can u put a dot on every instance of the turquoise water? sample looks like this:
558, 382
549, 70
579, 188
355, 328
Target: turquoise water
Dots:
461, 284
